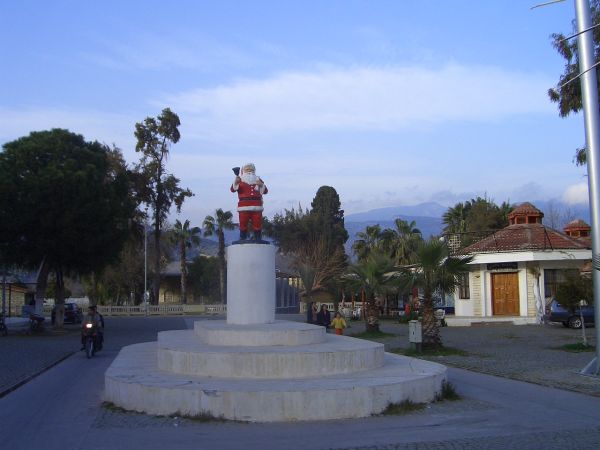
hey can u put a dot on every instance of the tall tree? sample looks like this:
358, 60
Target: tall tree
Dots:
328, 218
568, 97
402, 241
69, 202
156, 188
184, 237
374, 275
370, 240
217, 225
472, 220
434, 272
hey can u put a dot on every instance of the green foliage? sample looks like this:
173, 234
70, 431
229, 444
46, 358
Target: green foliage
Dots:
578, 348
404, 407
475, 217
68, 200
223, 220
203, 277
184, 237
435, 272
568, 97
327, 218
448, 392
575, 288
375, 275
315, 239
156, 188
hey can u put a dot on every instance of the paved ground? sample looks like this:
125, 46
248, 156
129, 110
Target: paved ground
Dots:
530, 353
63, 405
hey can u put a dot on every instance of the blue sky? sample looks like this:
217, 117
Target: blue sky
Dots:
391, 102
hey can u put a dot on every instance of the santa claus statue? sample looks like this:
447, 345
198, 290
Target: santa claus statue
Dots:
250, 189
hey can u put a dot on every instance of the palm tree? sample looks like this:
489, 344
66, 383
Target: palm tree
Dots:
375, 275
403, 241
369, 240
435, 272
216, 225
184, 237
455, 218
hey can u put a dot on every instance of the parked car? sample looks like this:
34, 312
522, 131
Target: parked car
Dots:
558, 313
73, 313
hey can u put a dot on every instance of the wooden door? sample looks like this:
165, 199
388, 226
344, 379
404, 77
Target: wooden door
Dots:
505, 294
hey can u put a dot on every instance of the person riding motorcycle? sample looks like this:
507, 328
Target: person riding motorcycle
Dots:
96, 319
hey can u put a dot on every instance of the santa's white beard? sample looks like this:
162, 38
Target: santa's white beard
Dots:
249, 178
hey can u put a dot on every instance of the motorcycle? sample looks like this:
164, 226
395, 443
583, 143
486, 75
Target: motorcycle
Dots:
92, 342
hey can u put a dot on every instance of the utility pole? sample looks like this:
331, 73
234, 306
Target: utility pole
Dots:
591, 113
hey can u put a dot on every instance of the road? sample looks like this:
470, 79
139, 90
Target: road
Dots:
62, 409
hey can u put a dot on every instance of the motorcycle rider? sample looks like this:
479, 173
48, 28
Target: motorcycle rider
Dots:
96, 319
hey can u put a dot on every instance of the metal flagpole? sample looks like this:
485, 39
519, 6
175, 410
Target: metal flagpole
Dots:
589, 91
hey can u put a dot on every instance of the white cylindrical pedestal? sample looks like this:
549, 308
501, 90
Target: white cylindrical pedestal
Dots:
250, 284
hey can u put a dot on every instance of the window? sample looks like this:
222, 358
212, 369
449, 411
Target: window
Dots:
463, 287
553, 278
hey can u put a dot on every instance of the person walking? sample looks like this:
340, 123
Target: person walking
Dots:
338, 323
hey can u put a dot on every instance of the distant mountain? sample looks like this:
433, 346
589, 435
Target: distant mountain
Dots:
429, 209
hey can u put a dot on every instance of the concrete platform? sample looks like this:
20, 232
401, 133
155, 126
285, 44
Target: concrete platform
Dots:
219, 332
183, 352
135, 382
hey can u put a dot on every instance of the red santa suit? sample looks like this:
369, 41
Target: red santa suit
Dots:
250, 203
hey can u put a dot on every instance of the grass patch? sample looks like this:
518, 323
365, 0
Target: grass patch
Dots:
116, 409
404, 407
201, 418
577, 348
448, 392
438, 351
372, 335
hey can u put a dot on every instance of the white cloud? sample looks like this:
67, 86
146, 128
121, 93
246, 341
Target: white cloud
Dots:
109, 128
576, 194
361, 98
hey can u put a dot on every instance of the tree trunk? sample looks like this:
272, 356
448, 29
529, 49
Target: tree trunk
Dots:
372, 314
59, 300
431, 331
40, 286
222, 268
183, 272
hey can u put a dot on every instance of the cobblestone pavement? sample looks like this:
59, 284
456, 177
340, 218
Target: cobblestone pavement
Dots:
563, 440
529, 353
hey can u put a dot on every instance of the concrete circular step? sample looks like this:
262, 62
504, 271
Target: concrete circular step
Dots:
219, 332
134, 382
183, 352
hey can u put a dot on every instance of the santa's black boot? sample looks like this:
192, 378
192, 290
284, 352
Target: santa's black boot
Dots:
243, 235
258, 235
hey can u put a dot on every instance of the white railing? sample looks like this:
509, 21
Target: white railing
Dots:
162, 309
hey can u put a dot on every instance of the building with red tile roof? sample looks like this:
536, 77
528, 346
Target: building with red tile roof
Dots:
515, 270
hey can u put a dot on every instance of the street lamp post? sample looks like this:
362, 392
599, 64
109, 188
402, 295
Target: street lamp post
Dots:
146, 265
589, 98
